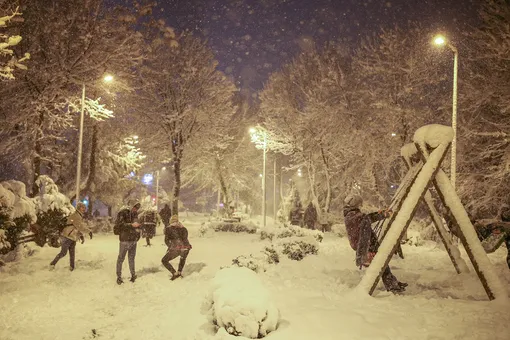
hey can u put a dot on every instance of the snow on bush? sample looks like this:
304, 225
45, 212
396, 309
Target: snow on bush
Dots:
52, 209
258, 263
235, 227
17, 212
290, 231
204, 230
297, 248
238, 302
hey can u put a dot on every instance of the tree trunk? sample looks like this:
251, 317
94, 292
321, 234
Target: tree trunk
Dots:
327, 203
223, 187
177, 186
37, 156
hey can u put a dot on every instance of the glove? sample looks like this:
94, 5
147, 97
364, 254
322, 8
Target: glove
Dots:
386, 213
82, 239
90, 234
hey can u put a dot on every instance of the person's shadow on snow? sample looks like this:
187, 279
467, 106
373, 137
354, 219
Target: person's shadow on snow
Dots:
191, 268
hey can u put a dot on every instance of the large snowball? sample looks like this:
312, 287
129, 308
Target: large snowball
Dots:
239, 303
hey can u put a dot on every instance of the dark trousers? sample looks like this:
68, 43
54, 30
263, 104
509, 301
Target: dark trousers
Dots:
67, 244
172, 254
129, 248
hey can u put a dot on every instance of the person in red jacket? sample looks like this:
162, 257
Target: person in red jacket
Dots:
176, 238
364, 240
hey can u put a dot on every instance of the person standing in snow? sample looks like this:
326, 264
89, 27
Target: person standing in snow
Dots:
74, 230
176, 238
364, 241
129, 234
165, 214
310, 217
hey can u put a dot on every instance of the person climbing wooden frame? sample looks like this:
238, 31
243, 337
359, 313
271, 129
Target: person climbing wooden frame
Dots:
432, 142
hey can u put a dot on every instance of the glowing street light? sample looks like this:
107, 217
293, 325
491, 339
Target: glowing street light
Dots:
107, 79
440, 40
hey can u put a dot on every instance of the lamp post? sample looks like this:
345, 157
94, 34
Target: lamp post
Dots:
261, 144
441, 40
107, 79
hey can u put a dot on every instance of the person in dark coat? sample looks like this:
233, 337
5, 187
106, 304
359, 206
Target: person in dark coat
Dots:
129, 234
176, 238
310, 216
165, 214
364, 241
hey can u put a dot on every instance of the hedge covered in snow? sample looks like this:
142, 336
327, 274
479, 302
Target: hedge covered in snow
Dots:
290, 231
234, 227
239, 303
258, 263
297, 248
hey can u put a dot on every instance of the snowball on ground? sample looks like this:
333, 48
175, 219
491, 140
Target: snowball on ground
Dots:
238, 302
433, 135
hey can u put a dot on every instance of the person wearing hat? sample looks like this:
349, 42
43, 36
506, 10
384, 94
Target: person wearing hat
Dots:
176, 238
363, 239
129, 234
74, 230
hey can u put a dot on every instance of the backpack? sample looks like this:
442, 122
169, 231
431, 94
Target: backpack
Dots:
118, 221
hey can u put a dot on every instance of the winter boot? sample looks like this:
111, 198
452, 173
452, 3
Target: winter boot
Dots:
119, 281
402, 284
51, 267
175, 276
133, 278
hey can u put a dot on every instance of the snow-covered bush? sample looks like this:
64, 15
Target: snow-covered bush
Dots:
258, 263
235, 227
296, 248
17, 212
52, 209
238, 302
290, 231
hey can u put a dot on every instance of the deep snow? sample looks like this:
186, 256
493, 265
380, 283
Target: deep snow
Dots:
315, 296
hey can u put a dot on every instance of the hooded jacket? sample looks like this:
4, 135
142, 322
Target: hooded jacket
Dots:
127, 232
176, 236
75, 227
354, 219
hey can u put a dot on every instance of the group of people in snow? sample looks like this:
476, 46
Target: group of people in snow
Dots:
129, 229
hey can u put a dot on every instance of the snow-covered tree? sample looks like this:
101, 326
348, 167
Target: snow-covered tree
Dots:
182, 96
400, 87
72, 44
484, 141
304, 106
9, 62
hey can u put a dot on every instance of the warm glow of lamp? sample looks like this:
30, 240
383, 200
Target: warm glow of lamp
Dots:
252, 130
108, 78
439, 40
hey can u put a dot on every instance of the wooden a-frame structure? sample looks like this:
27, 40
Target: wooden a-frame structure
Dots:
423, 159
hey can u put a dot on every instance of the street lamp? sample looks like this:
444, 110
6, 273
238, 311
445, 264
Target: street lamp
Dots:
108, 78
255, 138
440, 40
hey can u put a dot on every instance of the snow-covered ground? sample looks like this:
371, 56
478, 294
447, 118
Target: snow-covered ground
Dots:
316, 296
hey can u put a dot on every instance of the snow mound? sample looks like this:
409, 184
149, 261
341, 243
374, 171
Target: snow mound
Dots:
239, 303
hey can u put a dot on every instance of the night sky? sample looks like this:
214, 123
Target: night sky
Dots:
253, 38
